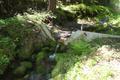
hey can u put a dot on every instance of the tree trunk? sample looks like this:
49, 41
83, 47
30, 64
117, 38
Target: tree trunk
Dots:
51, 5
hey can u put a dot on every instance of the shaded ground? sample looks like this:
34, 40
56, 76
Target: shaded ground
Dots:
87, 25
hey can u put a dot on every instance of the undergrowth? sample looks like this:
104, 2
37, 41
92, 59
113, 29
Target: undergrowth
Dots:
72, 66
18, 38
80, 48
84, 10
111, 23
66, 61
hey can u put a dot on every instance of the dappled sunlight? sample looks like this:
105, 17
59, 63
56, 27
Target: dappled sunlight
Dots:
95, 67
82, 9
39, 17
59, 40
116, 5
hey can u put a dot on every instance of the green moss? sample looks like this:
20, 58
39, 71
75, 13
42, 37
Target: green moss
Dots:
39, 57
7, 53
40, 69
26, 64
23, 68
7, 46
46, 49
83, 69
4, 61
80, 47
64, 15
19, 39
25, 54
20, 71
84, 10
65, 61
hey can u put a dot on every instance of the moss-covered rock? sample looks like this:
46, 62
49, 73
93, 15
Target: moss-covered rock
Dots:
23, 68
26, 64
63, 15
39, 57
26, 36
46, 49
20, 71
24, 54
40, 69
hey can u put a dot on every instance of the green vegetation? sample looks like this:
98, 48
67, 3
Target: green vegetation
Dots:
87, 11
39, 57
76, 11
4, 61
17, 40
20, 71
66, 61
30, 33
84, 67
80, 47
7, 53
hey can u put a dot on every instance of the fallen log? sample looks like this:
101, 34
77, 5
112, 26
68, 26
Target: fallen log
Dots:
43, 29
88, 36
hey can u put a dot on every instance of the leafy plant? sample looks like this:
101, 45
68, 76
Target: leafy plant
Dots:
66, 61
7, 45
84, 10
80, 48
7, 52
4, 61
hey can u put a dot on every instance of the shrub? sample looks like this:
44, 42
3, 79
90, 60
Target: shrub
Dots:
80, 48
84, 10
7, 53
8, 46
4, 61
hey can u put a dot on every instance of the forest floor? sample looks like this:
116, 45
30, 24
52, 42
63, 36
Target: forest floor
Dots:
108, 67
102, 64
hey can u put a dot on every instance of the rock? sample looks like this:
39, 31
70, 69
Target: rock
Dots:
26, 64
39, 57
88, 36
20, 71
40, 69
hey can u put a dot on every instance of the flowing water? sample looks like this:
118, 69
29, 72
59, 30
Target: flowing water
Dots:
52, 57
36, 76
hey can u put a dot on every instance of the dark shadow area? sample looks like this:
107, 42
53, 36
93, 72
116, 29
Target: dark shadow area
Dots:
10, 8
73, 26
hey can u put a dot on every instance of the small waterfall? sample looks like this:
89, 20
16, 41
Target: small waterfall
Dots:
35, 76
52, 57
56, 48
